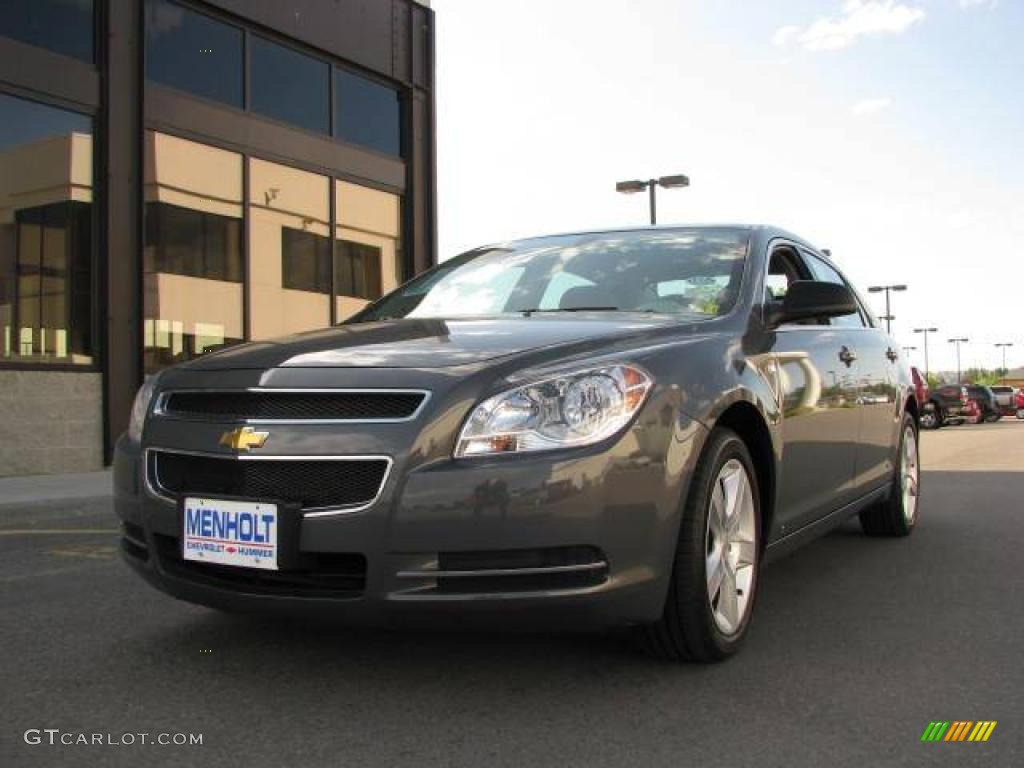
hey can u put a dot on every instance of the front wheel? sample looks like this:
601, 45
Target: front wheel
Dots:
1020, 414
714, 575
897, 515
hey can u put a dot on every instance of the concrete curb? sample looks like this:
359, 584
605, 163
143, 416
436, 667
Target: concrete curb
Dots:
51, 488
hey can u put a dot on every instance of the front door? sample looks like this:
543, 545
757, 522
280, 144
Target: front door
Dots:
877, 389
818, 391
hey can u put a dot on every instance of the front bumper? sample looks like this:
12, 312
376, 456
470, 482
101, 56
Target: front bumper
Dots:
575, 539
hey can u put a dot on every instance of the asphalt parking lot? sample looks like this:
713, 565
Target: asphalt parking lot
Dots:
857, 645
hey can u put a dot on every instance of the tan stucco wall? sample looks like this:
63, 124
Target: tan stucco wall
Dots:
51, 422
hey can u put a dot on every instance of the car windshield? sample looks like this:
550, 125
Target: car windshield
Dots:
693, 272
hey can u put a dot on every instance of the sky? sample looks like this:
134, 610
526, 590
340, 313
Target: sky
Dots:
888, 131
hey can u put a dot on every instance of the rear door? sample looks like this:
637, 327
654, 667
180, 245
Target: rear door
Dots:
877, 380
817, 374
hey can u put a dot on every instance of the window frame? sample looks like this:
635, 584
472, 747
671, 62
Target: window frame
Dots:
220, 19
334, 63
95, 40
96, 315
801, 253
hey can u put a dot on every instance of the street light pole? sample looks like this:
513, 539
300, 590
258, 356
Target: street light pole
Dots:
651, 185
925, 331
1004, 345
958, 342
888, 317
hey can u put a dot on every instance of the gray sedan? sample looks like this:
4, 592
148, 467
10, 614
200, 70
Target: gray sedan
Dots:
598, 429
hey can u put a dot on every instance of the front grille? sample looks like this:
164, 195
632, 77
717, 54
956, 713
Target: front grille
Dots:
308, 483
382, 405
329, 574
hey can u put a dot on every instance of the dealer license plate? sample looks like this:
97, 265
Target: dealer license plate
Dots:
239, 533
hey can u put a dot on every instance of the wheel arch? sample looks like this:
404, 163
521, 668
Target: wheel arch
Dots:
746, 420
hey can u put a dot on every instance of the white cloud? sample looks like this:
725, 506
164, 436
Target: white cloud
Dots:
976, 3
867, 107
859, 18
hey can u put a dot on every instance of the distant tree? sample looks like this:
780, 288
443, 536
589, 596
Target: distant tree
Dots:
934, 380
982, 376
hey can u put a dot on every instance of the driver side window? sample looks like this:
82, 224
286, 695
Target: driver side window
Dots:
785, 268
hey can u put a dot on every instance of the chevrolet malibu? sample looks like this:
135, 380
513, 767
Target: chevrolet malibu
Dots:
592, 430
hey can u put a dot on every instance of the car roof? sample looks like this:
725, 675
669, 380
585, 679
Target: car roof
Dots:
768, 230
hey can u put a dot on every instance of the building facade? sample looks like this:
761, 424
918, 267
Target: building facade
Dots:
177, 176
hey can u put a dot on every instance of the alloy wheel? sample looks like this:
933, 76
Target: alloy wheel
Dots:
909, 474
731, 547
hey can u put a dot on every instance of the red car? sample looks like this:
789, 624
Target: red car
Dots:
920, 386
1020, 403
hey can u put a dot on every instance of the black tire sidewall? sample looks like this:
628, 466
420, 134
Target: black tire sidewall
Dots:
691, 577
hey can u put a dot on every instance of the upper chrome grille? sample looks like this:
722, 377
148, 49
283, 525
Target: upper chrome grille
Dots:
292, 406
318, 484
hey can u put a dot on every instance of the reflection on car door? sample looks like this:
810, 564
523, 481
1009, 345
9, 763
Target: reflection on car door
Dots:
876, 358
818, 383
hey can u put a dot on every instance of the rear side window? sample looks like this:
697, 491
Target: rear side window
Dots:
825, 273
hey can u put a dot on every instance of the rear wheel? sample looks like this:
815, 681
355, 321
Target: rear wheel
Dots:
1020, 413
897, 515
714, 576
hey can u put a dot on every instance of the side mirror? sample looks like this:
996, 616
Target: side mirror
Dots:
808, 299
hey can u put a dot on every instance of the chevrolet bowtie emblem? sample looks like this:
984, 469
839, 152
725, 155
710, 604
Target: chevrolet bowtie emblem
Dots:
244, 439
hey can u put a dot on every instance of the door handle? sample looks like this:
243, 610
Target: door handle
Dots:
847, 355
891, 354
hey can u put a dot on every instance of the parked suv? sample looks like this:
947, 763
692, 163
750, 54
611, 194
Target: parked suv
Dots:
986, 400
1006, 399
948, 404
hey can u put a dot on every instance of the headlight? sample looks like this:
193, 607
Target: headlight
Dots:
141, 407
573, 409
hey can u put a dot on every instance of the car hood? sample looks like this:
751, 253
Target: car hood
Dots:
432, 343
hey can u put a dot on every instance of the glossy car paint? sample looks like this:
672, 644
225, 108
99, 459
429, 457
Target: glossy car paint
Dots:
831, 428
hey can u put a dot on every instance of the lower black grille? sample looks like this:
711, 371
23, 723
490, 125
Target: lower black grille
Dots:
301, 406
329, 574
311, 484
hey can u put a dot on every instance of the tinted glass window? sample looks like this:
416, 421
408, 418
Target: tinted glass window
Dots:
45, 233
289, 86
193, 52
305, 261
289, 250
192, 261
184, 241
64, 26
827, 274
692, 272
367, 113
357, 270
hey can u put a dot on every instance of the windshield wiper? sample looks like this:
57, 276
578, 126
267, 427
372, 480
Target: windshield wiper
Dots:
528, 312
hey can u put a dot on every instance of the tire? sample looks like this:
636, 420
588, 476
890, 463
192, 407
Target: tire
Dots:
694, 626
1020, 414
899, 513
931, 416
